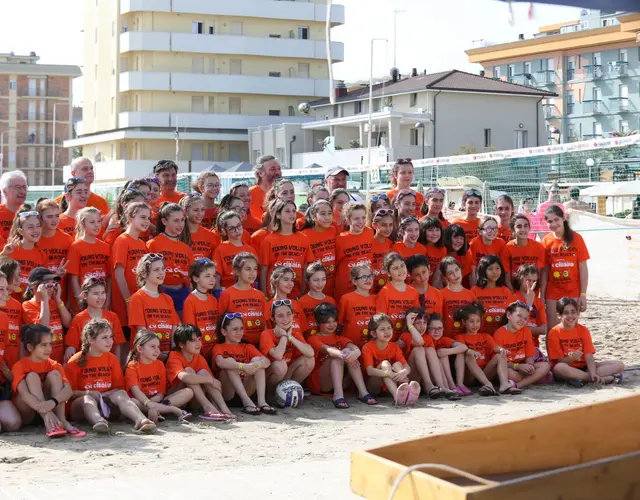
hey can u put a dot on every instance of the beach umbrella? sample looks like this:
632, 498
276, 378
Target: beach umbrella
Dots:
244, 166
315, 165
215, 168
604, 5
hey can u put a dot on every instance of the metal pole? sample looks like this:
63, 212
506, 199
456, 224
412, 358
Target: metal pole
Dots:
1, 152
53, 150
371, 106
395, 50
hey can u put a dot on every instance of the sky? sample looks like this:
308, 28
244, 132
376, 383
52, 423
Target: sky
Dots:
431, 34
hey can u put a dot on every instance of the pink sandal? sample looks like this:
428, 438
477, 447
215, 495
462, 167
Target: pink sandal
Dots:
463, 390
76, 434
214, 417
402, 394
414, 393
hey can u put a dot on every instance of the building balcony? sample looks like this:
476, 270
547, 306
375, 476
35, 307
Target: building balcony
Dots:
594, 71
356, 156
266, 9
551, 111
619, 105
36, 140
618, 69
593, 107
34, 93
227, 84
546, 77
522, 79
38, 117
157, 41
192, 121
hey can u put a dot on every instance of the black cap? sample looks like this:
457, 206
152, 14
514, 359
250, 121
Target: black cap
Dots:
40, 274
335, 171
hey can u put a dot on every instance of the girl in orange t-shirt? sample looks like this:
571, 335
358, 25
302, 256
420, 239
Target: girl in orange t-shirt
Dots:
521, 250
201, 307
233, 204
146, 380
472, 204
242, 367
98, 382
242, 297
409, 232
377, 202
93, 295
13, 310
43, 304
291, 357
334, 353
282, 189
353, 247
356, 308
258, 237
318, 227
208, 185
514, 335
382, 224
433, 205
526, 282
285, 247
432, 237
384, 364
566, 273
455, 241
487, 243
89, 257
54, 243
118, 220
280, 285
41, 386
445, 348
178, 256
504, 210
242, 191
22, 245
485, 360
126, 252
76, 196
401, 177
429, 297
316, 193
396, 296
230, 229
339, 198
199, 239
404, 204
316, 276
454, 295
148, 308
492, 292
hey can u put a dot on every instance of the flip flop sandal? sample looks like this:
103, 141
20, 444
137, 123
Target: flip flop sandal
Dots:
368, 399
184, 416
463, 390
146, 427
434, 393
402, 394
452, 396
268, 410
214, 417
414, 393
57, 432
617, 378
485, 391
575, 382
341, 404
512, 391
101, 427
76, 434
251, 410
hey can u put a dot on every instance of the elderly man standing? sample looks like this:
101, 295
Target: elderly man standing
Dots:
336, 178
267, 170
83, 169
167, 173
14, 193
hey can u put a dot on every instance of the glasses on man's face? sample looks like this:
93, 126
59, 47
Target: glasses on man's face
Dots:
381, 196
19, 187
365, 277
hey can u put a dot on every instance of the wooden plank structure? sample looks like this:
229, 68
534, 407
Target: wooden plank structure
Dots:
585, 453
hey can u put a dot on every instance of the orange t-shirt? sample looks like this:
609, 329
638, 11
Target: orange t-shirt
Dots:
177, 259
406, 252
378, 252
561, 343
372, 355
55, 248
504, 233
95, 200
29, 260
177, 363
470, 227
268, 341
466, 261
4, 332
479, 249
317, 342
67, 225
242, 353
172, 197
351, 250
537, 315
11, 339
354, 313
150, 378
26, 366
431, 301
217, 239
155, 313
444, 343
564, 273
323, 247
111, 236
89, 260
126, 252
495, 302
252, 304
395, 303
223, 256
203, 314
293, 251
299, 320
519, 344
258, 237
257, 201
308, 304
407, 341
482, 343
251, 224
6, 221
31, 314
434, 256
73, 338
419, 199
513, 256
101, 373
209, 219
450, 302
202, 244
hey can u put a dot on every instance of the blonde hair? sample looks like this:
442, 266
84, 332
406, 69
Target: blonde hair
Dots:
144, 267
90, 332
351, 207
81, 217
19, 220
278, 273
201, 179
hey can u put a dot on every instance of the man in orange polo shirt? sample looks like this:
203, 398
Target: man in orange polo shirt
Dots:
166, 172
14, 193
267, 170
83, 169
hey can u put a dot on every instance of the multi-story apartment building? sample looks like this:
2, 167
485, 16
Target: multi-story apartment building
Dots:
208, 70
593, 64
35, 116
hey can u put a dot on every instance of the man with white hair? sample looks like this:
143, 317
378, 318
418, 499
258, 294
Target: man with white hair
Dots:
14, 187
267, 170
83, 169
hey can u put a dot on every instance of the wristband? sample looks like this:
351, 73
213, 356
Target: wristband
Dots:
61, 304
516, 366
386, 374
55, 401
583, 294
290, 337
147, 402
240, 367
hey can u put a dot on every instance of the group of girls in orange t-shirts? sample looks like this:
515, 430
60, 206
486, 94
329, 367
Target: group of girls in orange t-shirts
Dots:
164, 310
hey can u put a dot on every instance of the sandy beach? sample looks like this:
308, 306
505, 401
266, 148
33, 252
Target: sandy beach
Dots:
312, 433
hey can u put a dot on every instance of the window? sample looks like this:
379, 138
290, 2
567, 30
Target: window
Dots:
527, 68
197, 65
197, 151
212, 28
487, 137
197, 104
197, 27
597, 59
572, 132
274, 112
597, 129
236, 28
522, 139
570, 102
623, 55
235, 152
496, 72
303, 32
413, 99
303, 70
357, 107
584, 25
571, 67
124, 64
413, 138
212, 104
292, 111
12, 84
376, 104
32, 111
605, 23
511, 70
623, 126
212, 151
235, 66
274, 73
212, 65
235, 105
113, 105
623, 91
124, 27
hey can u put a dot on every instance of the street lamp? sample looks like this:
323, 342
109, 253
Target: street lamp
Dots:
395, 40
371, 106
420, 125
53, 148
590, 163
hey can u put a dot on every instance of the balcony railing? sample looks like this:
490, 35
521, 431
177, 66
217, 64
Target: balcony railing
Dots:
593, 107
36, 140
594, 71
592, 136
39, 117
550, 111
546, 77
521, 79
618, 68
619, 104
40, 93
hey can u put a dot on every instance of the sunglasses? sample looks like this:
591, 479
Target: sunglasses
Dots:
383, 212
524, 305
155, 256
282, 302
72, 182
403, 161
95, 281
194, 195
431, 191
50, 284
204, 261
29, 213
473, 192
230, 316
381, 196
153, 179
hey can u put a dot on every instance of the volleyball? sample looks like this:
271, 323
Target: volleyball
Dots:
304, 108
289, 394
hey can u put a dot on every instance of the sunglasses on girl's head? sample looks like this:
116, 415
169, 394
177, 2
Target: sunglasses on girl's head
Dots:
431, 191
72, 181
204, 261
229, 316
156, 256
403, 161
153, 179
523, 304
282, 302
473, 192
381, 196
193, 195
383, 212
29, 213
96, 281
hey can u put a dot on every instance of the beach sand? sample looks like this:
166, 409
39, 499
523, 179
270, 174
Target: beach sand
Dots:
312, 433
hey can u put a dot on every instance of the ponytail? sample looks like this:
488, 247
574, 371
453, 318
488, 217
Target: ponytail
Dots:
142, 337
567, 235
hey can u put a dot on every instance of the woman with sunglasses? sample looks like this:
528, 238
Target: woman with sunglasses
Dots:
76, 196
242, 367
401, 177
382, 224
230, 229
208, 185
241, 190
178, 256
231, 203
321, 232
199, 239
22, 245
377, 202
433, 205
472, 204
201, 307
290, 356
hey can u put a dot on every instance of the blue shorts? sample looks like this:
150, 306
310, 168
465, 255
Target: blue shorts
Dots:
5, 391
178, 295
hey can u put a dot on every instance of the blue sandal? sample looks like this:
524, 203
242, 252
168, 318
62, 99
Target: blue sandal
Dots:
368, 399
340, 404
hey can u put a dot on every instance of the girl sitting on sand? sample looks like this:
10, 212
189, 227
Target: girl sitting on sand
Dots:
446, 347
